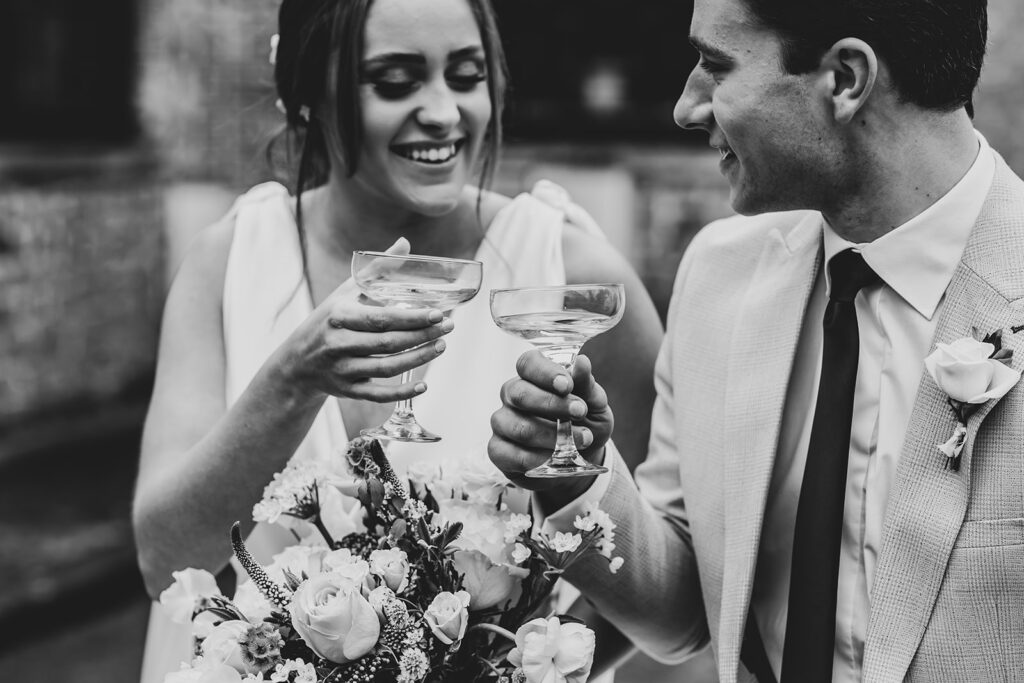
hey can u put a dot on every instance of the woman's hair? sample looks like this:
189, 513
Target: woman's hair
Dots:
315, 33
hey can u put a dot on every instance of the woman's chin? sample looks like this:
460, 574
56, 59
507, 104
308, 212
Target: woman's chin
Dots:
435, 201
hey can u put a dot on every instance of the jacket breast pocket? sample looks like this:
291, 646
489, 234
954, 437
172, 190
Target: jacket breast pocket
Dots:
976, 632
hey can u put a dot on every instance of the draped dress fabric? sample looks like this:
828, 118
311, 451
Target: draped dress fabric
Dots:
266, 297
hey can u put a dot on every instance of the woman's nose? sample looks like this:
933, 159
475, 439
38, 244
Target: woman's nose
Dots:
693, 109
439, 108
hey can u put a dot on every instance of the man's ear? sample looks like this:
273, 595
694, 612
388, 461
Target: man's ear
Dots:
850, 68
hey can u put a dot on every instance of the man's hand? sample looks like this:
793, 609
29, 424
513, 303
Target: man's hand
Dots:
524, 427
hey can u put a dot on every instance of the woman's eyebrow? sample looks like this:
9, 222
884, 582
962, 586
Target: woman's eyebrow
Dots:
394, 58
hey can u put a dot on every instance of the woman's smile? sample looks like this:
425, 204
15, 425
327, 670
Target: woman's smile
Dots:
432, 153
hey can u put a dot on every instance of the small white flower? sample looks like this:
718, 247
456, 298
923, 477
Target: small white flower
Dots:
564, 542
305, 673
413, 665
520, 553
414, 509
585, 523
516, 525
615, 565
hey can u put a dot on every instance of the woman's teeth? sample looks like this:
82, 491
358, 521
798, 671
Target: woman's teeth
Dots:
433, 155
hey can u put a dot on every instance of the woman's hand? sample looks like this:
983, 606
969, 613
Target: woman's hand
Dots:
345, 343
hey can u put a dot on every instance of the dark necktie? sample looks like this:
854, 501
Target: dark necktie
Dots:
811, 625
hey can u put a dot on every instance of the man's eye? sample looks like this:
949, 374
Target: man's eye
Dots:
712, 68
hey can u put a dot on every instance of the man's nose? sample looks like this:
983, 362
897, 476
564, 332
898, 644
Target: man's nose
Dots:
439, 108
693, 109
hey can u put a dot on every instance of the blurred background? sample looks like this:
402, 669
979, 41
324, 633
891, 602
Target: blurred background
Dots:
128, 125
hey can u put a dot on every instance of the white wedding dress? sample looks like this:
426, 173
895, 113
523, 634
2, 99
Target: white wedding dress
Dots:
265, 299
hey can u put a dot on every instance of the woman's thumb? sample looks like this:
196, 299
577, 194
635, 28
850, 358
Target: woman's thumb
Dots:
399, 248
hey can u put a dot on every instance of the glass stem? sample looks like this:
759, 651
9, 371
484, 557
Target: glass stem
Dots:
403, 408
565, 445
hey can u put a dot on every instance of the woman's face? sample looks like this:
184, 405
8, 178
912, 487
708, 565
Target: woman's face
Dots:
425, 105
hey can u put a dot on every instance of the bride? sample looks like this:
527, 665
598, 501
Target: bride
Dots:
266, 353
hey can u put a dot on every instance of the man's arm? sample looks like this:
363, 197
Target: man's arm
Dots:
655, 598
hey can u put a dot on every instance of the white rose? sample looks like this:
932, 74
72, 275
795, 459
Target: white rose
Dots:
190, 587
205, 671
483, 529
341, 515
352, 567
392, 566
488, 584
334, 619
964, 370
547, 650
224, 644
448, 615
299, 560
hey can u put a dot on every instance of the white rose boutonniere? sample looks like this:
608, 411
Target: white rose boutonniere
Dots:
971, 373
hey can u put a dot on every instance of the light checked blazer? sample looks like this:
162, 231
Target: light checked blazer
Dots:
948, 596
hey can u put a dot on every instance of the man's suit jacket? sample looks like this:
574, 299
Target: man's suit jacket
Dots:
947, 602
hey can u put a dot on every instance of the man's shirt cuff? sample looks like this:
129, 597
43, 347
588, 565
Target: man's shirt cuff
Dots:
563, 518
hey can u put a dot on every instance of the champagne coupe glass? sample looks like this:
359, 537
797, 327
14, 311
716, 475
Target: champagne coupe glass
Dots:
413, 281
558, 320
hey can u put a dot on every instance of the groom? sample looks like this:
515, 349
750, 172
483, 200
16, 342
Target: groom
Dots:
794, 510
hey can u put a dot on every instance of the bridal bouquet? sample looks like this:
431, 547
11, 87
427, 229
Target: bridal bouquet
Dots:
434, 580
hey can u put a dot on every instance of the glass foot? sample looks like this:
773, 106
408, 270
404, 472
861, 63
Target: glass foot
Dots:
402, 429
565, 467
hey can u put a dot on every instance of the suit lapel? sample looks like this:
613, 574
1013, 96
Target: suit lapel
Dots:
928, 502
760, 357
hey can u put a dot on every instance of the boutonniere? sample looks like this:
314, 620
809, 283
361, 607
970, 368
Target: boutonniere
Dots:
971, 373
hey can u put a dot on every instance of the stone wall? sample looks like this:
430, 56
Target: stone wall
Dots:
81, 289
206, 92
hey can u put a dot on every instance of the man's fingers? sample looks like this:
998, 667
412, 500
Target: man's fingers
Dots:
533, 367
586, 387
528, 398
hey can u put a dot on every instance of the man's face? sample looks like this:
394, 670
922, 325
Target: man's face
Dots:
770, 126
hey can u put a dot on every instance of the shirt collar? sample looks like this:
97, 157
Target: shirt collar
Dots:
917, 259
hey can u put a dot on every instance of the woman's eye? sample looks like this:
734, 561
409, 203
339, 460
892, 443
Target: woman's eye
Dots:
391, 83
393, 90
466, 77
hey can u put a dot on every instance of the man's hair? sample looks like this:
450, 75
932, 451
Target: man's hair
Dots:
934, 49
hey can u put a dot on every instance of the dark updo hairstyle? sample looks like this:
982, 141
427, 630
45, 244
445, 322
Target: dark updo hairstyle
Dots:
934, 49
311, 33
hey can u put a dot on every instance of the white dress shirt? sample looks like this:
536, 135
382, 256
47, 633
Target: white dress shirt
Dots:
896, 322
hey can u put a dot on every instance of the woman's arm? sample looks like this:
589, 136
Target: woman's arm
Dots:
203, 466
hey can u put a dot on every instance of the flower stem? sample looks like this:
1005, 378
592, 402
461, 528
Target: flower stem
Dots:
323, 531
484, 626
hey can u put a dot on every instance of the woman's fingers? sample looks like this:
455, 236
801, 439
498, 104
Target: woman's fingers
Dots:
360, 343
358, 317
389, 366
384, 393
